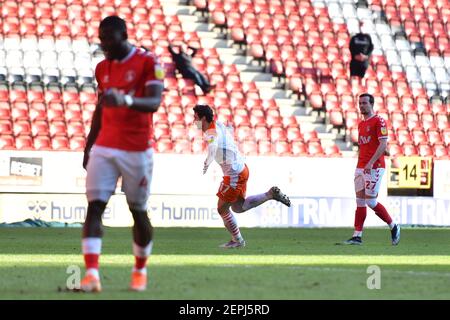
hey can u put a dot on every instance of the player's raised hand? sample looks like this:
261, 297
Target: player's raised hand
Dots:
113, 98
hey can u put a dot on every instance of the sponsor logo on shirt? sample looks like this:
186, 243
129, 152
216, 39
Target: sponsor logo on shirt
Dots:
364, 140
130, 75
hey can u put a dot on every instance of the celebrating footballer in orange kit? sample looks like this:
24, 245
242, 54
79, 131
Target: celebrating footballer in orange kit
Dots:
232, 191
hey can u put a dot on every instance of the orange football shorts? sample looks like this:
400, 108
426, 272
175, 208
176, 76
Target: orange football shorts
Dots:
234, 187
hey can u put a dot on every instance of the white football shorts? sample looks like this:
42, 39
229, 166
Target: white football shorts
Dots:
370, 182
106, 165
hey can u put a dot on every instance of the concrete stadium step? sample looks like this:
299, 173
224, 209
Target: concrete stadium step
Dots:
230, 52
208, 43
190, 26
275, 94
173, 7
249, 68
233, 58
255, 76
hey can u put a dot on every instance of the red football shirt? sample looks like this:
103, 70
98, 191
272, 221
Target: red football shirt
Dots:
370, 131
121, 127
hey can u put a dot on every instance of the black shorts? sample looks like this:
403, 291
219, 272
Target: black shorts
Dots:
358, 68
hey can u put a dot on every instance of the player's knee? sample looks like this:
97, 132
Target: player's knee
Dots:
371, 202
360, 202
141, 218
138, 213
223, 210
238, 208
138, 207
96, 207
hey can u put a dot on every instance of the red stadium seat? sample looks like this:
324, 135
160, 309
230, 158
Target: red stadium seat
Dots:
24, 143
446, 136
419, 137
198, 145
394, 150
243, 133
18, 114
182, 146
75, 129
409, 149
22, 128
261, 133
249, 147
58, 128
440, 151
73, 115
403, 135
290, 121
6, 127
299, 148
332, 151
54, 114
60, 143
336, 118
425, 150
278, 134
316, 101
77, 143
274, 121
161, 130
7, 142
164, 146
282, 148
293, 134
442, 120
265, 148
178, 132
434, 136
354, 135
40, 128
42, 143
311, 136
35, 96
315, 148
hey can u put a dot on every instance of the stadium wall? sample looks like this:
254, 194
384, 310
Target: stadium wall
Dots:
50, 186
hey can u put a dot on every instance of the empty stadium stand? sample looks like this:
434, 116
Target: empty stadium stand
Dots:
279, 66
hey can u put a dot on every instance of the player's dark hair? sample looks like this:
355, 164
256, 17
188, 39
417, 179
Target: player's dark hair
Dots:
371, 98
203, 110
115, 23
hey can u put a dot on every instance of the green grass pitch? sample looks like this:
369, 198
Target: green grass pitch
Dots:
186, 263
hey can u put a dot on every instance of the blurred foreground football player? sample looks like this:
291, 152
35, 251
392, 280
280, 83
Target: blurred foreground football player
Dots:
130, 84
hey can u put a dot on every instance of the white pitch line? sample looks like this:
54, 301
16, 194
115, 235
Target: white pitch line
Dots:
327, 269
